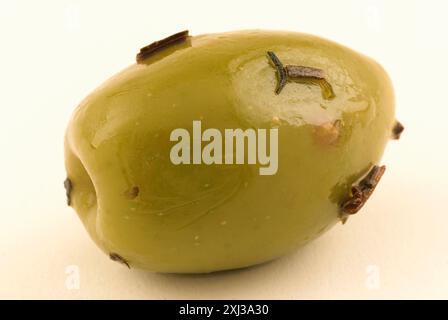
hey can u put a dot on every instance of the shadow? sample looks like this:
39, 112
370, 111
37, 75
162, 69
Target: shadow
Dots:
255, 282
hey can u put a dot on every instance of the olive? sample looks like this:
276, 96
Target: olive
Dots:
223, 151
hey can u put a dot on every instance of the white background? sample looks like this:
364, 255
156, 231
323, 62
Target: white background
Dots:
53, 53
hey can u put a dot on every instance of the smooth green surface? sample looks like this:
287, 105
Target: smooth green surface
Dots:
199, 218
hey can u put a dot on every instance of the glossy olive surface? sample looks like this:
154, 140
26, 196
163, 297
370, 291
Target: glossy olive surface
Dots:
136, 204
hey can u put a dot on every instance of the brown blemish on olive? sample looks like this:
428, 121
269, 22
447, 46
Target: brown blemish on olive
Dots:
300, 74
397, 130
328, 133
275, 121
361, 191
68, 190
157, 46
116, 257
132, 193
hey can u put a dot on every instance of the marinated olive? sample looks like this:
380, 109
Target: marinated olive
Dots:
227, 150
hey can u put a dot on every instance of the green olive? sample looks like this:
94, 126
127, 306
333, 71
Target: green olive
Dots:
332, 109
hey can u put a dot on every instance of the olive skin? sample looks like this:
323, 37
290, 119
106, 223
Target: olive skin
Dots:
148, 213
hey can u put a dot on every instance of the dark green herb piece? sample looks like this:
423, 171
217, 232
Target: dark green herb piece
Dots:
281, 72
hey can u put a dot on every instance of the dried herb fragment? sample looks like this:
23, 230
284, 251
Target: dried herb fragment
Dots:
397, 130
304, 72
326, 88
119, 259
157, 46
361, 192
281, 72
68, 190
301, 74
